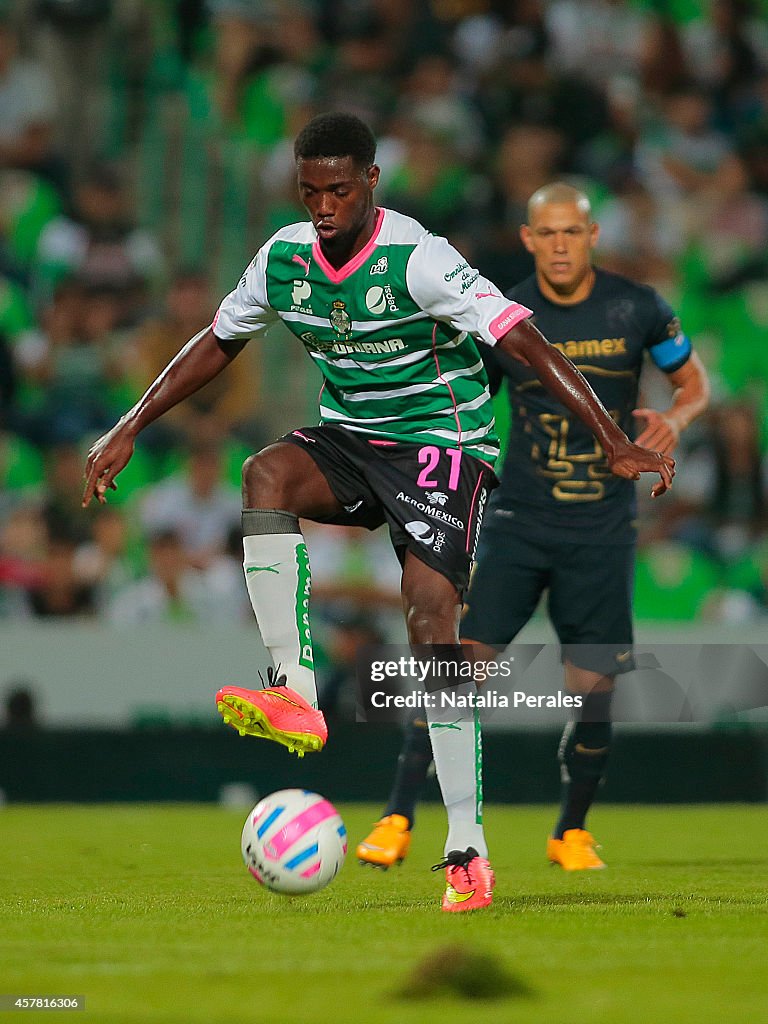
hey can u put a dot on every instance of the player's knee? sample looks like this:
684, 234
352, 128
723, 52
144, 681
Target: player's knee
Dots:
432, 618
584, 681
263, 483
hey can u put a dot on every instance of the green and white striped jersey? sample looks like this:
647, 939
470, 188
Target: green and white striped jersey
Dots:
393, 331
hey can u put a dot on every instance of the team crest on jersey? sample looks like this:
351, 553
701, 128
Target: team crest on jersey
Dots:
340, 319
380, 266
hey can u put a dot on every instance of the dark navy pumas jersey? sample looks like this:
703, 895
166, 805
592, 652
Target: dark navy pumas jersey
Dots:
555, 477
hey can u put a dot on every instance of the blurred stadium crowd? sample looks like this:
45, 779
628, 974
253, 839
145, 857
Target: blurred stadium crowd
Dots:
146, 152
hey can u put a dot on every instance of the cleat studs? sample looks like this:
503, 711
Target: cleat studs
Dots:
241, 731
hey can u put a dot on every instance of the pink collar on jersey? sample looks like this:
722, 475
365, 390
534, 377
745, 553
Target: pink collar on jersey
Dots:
337, 276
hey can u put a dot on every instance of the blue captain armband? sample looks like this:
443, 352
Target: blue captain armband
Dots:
669, 355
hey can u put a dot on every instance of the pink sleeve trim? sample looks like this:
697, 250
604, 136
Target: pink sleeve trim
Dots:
512, 315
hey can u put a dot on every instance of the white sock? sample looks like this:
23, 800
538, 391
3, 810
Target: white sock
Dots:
278, 579
458, 753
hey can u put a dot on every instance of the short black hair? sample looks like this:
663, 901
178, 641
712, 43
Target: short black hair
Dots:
336, 135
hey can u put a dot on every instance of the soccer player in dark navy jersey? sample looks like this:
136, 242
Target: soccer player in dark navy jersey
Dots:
560, 521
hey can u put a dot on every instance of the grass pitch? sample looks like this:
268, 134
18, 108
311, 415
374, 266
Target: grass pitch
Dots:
148, 912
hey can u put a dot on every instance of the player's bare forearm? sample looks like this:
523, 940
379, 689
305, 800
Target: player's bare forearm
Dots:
201, 359
691, 397
692, 392
563, 380
569, 386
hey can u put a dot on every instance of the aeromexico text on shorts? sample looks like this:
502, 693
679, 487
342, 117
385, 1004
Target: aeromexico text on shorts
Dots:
431, 510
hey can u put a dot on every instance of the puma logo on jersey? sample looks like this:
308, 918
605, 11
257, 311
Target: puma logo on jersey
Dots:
303, 262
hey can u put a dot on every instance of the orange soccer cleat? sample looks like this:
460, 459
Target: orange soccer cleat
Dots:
276, 713
575, 851
387, 844
469, 881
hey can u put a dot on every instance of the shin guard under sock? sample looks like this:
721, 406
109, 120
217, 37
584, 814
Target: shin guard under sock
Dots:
278, 579
583, 755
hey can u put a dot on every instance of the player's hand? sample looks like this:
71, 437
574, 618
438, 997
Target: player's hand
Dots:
630, 460
106, 458
661, 432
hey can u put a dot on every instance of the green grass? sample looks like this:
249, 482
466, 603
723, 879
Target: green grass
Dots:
149, 913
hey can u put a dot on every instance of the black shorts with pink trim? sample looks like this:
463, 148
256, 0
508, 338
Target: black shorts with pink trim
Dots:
432, 498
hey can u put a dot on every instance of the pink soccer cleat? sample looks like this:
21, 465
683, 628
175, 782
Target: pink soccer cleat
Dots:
277, 713
469, 881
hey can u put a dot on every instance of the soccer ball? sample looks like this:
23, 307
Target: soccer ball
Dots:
294, 841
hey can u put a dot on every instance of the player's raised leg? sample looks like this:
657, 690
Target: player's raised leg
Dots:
583, 755
432, 608
280, 484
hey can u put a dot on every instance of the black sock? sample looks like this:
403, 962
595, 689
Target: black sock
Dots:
583, 755
412, 767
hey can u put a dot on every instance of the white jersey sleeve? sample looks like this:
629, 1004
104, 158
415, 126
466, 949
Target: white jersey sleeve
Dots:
246, 312
442, 282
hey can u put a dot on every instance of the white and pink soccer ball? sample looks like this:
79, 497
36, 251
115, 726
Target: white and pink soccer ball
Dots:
294, 841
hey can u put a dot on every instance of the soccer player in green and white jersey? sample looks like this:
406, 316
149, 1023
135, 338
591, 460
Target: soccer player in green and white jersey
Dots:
392, 316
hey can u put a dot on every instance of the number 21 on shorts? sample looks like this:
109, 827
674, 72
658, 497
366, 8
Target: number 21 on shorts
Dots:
429, 456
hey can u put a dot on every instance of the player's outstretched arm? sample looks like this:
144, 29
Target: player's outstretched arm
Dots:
561, 378
662, 429
201, 359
